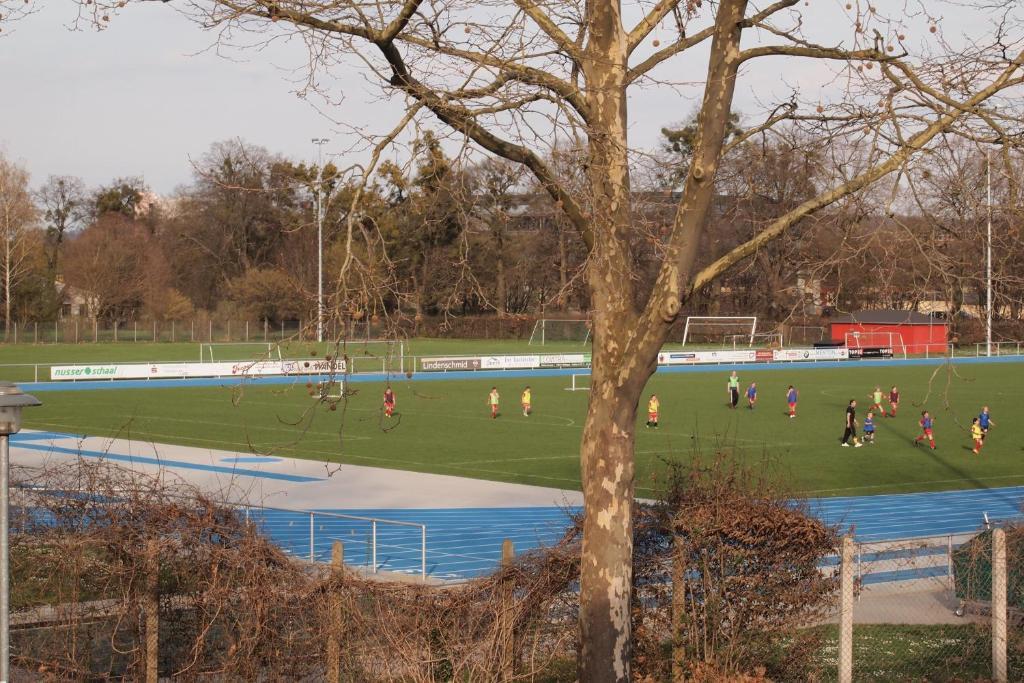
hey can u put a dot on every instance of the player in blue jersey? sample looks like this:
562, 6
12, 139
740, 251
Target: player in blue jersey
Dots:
791, 398
869, 427
926, 422
985, 421
751, 395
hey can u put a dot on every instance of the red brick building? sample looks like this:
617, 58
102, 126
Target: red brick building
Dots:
917, 332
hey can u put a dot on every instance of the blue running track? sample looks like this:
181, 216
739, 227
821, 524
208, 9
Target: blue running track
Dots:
463, 543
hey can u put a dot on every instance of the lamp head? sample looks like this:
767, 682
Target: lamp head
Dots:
12, 400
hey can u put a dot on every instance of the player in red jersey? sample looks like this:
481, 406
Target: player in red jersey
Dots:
389, 402
926, 423
894, 401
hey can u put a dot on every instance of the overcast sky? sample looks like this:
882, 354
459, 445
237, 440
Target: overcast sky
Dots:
144, 97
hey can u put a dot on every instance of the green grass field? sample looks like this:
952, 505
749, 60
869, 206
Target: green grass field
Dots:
444, 426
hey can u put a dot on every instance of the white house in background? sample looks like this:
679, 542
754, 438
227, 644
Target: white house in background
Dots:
74, 302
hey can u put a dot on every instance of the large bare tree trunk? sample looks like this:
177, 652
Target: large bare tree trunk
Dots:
606, 450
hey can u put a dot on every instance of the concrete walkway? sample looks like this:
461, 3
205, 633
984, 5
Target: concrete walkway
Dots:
287, 482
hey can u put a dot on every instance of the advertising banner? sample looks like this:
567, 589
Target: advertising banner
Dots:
438, 364
262, 368
553, 360
509, 362
811, 354
686, 357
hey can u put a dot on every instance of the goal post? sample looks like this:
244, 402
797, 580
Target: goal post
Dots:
369, 355
579, 383
211, 352
330, 389
770, 340
712, 328
548, 331
879, 338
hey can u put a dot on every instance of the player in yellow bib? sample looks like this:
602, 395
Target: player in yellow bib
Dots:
977, 435
492, 400
526, 401
653, 406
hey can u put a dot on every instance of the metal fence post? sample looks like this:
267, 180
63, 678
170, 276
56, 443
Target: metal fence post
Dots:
949, 562
336, 622
115, 330
312, 556
999, 605
151, 612
56, 332
846, 612
373, 544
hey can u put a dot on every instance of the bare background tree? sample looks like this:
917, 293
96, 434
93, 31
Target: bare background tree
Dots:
19, 230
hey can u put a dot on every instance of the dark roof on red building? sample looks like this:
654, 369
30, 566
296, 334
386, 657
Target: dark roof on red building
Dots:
888, 317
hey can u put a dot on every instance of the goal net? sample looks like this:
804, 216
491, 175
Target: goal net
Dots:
879, 339
579, 383
713, 329
372, 355
560, 331
330, 390
230, 351
761, 340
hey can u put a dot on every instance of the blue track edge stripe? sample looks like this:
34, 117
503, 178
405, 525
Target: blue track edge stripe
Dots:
236, 471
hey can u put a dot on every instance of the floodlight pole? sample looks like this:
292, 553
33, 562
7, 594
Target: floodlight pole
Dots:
5, 572
319, 142
12, 400
988, 260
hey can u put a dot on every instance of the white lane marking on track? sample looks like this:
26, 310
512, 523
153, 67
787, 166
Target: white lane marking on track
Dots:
919, 483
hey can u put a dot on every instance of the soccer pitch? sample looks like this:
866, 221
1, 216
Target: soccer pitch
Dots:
444, 426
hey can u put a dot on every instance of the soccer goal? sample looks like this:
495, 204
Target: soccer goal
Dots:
372, 355
230, 351
711, 329
765, 340
547, 331
877, 339
330, 390
579, 383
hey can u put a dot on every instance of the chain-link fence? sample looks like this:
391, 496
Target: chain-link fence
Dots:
212, 329
946, 608
86, 331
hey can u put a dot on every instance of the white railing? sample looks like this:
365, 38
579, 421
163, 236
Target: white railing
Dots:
374, 543
999, 348
371, 542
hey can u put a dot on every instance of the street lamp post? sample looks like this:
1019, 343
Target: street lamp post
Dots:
320, 142
988, 260
12, 400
